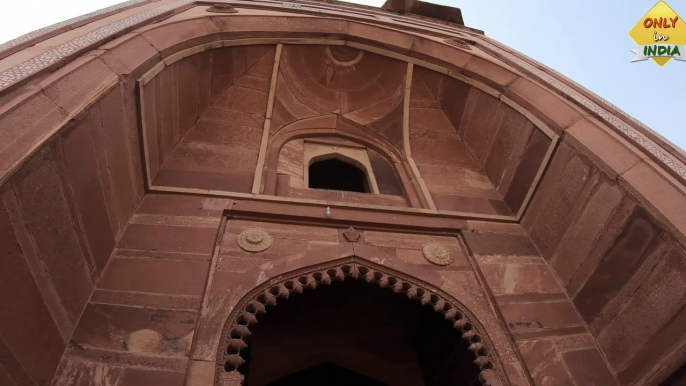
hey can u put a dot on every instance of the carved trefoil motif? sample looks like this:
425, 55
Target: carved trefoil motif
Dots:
352, 235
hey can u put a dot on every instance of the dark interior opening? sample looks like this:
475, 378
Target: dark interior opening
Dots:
333, 174
326, 374
356, 332
676, 379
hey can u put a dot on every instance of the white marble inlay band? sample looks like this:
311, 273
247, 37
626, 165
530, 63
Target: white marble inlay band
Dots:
46, 30
54, 55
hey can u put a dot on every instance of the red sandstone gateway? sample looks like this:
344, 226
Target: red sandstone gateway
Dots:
272, 193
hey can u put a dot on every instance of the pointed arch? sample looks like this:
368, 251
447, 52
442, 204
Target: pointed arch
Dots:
284, 277
334, 125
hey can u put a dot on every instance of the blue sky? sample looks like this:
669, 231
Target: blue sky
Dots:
586, 40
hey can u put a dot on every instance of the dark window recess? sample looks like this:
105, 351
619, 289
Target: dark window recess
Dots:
337, 175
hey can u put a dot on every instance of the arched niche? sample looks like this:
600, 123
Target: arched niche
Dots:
334, 131
282, 279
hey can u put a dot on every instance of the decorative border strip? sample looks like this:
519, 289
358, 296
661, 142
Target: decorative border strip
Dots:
45, 31
53, 56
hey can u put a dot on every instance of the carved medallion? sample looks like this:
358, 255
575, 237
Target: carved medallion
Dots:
254, 240
222, 8
437, 254
457, 43
351, 235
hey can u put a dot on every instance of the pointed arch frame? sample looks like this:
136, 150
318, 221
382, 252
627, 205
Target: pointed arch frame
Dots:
353, 267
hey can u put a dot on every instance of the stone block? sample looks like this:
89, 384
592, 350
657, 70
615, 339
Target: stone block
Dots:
243, 100
24, 124
499, 244
129, 54
544, 104
168, 239
427, 48
465, 204
512, 127
544, 363
200, 373
588, 367
479, 130
25, 355
171, 277
580, 239
174, 37
150, 131
47, 216
88, 190
455, 94
79, 83
232, 26
119, 156
493, 74
377, 35
663, 194
142, 331
525, 169
73, 372
613, 227
221, 71
167, 119
619, 263
607, 149
181, 205
633, 340
540, 316
552, 219
205, 80
318, 26
513, 278
145, 377
187, 92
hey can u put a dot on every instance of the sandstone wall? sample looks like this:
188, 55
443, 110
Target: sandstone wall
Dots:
615, 256
62, 213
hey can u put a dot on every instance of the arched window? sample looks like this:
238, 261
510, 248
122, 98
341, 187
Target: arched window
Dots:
333, 174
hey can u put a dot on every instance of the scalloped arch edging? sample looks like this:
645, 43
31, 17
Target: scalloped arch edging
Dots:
255, 302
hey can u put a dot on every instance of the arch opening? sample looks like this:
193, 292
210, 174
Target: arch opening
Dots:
429, 339
328, 374
334, 174
360, 331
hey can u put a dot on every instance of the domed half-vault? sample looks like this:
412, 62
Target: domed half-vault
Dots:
266, 193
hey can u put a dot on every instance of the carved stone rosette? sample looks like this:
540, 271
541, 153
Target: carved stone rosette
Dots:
222, 8
254, 240
247, 311
437, 254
